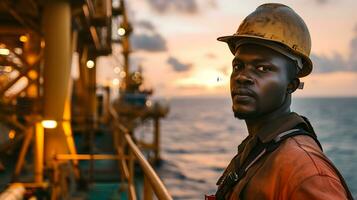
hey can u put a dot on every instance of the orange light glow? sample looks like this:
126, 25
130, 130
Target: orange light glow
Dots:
23, 38
32, 74
43, 43
12, 134
7, 69
122, 74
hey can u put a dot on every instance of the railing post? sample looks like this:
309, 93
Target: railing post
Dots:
159, 188
157, 139
147, 189
151, 180
132, 192
55, 192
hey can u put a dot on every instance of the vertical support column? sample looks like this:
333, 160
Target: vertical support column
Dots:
57, 34
126, 62
126, 45
83, 82
24, 148
157, 138
38, 149
106, 104
92, 109
67, 128
92, 92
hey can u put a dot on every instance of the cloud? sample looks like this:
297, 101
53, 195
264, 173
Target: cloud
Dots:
146, 38
136, 61
167, 6
177, 65
191, 87
323, 64
321, 1
353, 52
210, 55
153, 42
210, 3
225, 70
145, 25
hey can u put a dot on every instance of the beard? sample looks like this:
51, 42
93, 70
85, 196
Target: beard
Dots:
244, 115
258, 112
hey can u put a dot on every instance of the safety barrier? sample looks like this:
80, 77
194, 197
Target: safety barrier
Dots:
123, 139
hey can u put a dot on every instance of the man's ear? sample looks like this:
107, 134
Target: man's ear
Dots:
293, 85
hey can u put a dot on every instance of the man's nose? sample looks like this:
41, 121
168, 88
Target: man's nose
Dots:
244, 77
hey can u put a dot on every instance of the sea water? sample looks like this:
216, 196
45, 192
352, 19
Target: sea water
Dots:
200, 136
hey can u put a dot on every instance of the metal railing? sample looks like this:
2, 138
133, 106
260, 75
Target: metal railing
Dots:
127, 153
123, 140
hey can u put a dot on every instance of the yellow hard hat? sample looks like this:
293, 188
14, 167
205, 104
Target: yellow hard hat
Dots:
278, 24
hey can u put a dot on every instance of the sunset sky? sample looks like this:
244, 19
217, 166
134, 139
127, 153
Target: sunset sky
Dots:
175, 43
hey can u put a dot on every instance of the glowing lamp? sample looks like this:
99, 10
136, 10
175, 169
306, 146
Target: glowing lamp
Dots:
148, 103
4, 51
115, 82
50, 124
121, 31
117, 70
23, 38
7, 69
122, 74
90, 64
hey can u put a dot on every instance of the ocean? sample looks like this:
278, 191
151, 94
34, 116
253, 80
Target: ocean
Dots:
200, 136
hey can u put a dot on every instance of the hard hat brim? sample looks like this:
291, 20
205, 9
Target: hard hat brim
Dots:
231, 40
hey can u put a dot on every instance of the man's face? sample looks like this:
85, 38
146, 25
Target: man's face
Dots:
259, 81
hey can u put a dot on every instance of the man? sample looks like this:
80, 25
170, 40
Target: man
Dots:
281, 157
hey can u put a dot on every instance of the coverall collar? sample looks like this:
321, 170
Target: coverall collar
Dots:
284, 123
268, 132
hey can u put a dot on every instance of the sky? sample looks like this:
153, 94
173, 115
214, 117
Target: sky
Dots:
174, 41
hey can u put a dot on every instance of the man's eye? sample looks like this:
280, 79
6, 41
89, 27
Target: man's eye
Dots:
263, 68
237, 67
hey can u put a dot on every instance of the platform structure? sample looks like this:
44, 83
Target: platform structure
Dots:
62, 140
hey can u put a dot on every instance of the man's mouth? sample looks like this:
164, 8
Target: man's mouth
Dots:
242, 92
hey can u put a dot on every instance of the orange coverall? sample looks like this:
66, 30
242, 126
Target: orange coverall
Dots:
296, 170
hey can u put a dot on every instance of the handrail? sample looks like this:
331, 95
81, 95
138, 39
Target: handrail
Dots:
90, 157
155, 181
15, 191
159, 188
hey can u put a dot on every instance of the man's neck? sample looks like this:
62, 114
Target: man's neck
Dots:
256, 124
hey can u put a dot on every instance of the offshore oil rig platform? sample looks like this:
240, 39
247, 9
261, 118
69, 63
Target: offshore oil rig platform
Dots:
64, 137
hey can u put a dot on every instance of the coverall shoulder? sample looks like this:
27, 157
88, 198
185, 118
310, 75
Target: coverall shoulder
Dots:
297, 169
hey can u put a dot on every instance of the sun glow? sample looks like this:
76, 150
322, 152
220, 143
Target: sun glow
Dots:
207, 79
